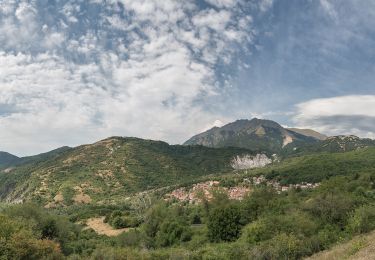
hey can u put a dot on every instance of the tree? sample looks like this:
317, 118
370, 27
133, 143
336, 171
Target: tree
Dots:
224, 223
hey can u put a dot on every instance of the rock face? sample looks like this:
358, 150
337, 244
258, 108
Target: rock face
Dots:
256, 134
249, 161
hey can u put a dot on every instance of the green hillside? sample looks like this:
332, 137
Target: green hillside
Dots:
112, 168
7, 159
320, 166
264, 225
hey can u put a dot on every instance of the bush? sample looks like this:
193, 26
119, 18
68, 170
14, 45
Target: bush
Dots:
173, 232
362, 220
256, 232
119, 222
331, 208
224, 223
132, 238
283, 246
18, 241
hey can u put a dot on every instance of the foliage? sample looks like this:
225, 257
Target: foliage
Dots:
113, 168
264, 225
224, 223
362, 219
18, 240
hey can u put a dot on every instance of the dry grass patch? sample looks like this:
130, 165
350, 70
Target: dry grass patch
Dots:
80, 197
98, 225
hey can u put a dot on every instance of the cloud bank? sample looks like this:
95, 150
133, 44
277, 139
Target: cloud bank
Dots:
352, 114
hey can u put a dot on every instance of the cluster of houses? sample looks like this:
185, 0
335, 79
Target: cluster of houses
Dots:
258, 180
194, 194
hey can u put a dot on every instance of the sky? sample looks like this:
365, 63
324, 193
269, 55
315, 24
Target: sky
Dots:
75, 72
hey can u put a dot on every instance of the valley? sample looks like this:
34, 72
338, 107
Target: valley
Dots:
278, 195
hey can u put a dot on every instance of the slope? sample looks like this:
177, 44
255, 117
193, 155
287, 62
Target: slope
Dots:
361, 248
320, 166
309, 132
112, 168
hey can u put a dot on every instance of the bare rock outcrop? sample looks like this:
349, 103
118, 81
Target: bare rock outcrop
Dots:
250, 161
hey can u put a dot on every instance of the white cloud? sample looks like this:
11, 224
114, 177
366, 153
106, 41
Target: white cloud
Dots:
144, 71
223, 3
212, 19
354, 114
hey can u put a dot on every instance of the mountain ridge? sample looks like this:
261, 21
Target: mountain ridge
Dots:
255, 134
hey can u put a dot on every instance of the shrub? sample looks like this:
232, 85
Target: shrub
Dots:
173, 232
256, 232
283, 246
224, 223
362, 220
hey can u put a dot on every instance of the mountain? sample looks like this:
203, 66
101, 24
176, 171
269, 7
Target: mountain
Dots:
341, 143
7, 159
112, 168
255, 134
309, 132
43, 156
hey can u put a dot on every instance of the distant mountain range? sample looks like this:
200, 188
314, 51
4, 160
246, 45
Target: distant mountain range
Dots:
269, 136
10, 160
113, 168
256, 134
341, 143
7, 159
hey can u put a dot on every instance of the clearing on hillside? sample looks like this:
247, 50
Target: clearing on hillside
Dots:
98, 225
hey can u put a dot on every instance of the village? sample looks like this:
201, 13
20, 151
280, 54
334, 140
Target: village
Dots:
206, 189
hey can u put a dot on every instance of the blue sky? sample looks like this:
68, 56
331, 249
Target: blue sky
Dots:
74, 72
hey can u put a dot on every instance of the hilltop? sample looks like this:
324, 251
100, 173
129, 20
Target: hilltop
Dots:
7, 159
255, 134
268, 136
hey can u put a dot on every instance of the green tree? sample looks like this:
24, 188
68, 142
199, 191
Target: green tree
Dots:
224, 223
